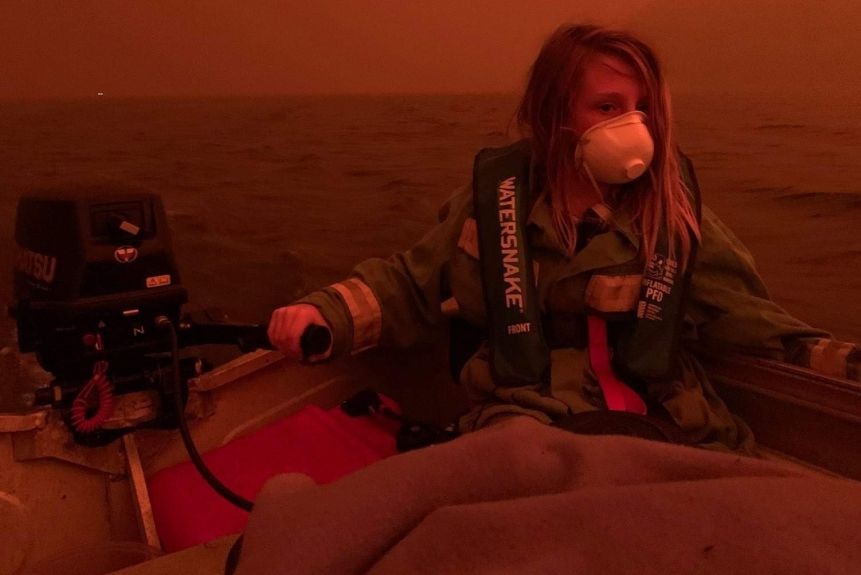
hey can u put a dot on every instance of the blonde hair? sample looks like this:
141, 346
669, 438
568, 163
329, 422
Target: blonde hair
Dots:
659, 201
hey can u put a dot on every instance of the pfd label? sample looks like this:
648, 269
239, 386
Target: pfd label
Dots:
520, 327
658, 282
509, 244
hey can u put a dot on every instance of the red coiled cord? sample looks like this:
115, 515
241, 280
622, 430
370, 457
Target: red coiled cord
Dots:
104, 396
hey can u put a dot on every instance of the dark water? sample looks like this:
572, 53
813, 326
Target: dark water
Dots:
271, 197
267, 197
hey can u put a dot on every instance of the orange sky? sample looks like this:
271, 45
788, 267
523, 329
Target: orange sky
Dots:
222, 47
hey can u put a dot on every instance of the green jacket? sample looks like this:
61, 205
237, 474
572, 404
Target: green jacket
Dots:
398, 302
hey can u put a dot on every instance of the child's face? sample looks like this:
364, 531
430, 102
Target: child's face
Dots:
609, 88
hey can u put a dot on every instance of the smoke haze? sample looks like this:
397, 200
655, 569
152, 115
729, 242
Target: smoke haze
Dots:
227, 47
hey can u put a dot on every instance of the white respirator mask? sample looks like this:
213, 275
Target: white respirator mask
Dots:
616, 151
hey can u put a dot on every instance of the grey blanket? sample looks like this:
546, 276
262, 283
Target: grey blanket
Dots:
522, 497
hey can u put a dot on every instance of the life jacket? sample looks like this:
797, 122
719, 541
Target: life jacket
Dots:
645, 345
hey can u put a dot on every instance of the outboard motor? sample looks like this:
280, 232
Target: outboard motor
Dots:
97, 297
94, 273
99, 267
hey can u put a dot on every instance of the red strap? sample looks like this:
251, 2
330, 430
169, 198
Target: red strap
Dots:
619, 397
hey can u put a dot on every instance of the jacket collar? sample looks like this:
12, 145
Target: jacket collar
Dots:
543, 234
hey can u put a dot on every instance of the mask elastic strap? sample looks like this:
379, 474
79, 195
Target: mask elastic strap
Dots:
593, 180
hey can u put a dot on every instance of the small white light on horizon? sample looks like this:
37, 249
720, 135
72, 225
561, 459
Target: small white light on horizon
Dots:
100, 93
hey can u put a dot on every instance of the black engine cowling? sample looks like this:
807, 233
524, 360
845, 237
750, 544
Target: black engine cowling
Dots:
92, 262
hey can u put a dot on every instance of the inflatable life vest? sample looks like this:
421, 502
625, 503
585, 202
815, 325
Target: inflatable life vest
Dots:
645, 345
